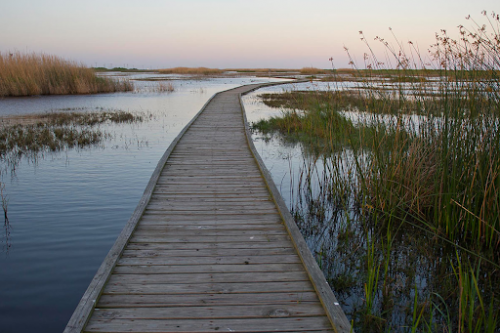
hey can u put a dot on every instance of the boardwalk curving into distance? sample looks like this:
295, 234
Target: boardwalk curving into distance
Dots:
211, 246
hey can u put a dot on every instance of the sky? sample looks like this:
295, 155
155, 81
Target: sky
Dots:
225, 33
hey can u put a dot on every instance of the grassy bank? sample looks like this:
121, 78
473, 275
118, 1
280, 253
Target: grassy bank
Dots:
407, 182
41, 74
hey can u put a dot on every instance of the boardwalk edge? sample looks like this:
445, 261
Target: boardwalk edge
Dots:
332, 307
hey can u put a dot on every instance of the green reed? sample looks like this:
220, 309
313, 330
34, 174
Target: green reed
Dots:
423, 167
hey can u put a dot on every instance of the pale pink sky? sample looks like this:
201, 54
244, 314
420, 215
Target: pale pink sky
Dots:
223, 33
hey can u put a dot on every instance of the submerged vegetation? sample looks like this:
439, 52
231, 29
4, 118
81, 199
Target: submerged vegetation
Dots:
41, 74
406, 183
37, 133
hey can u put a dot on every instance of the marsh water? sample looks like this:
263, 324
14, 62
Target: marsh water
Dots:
67, 208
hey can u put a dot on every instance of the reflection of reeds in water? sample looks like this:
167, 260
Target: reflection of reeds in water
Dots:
41, 74
5, 203
423, 204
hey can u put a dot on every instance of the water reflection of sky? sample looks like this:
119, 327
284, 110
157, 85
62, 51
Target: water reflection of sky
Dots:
66, 209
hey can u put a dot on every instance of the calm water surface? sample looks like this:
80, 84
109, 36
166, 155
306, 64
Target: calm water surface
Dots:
66, 209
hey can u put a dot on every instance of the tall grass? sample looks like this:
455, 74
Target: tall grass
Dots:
423, 164
41, 74
313, 71
191, 70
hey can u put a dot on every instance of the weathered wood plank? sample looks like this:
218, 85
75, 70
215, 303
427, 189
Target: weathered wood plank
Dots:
243, 223
118, 301
129, 253
235, 260
208, 277
195, 245
208, 239
183, 204
207, 288
180, 269
144, 232
213, 212
214, 312
187, 227
303, 324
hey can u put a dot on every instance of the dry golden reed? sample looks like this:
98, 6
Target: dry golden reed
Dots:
42, 74
313, 71
191, 70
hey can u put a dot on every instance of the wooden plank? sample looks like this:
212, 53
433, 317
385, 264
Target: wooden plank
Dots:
210, 220
184, 200
148, 232
195, 245
181, 269
200, 181
245, 195
169, 176
129, 253
151, 221
208, 239
124, 301
245, 214
207, 277
214, 226
303, 324
235, 260
207, 288
241, 206
177, 191
214, 312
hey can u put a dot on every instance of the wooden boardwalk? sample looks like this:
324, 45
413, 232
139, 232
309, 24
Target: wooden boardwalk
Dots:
211, 246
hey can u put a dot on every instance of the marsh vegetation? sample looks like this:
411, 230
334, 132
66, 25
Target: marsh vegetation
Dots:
191, 70
36, 133
41, 74
400, 188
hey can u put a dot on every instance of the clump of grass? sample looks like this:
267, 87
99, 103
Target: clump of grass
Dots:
191, 70
42, 74
163, 86
33, 139
56, 130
